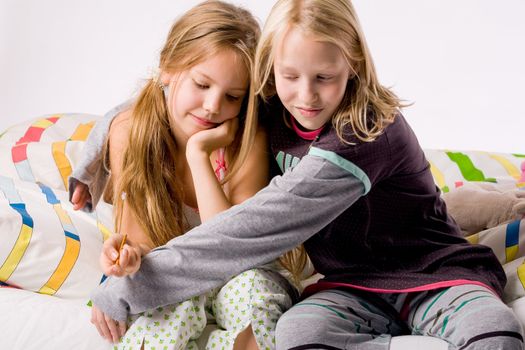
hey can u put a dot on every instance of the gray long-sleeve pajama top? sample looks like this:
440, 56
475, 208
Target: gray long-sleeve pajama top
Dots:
369, 214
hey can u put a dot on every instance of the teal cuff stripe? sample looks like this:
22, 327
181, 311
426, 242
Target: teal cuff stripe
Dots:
342, 163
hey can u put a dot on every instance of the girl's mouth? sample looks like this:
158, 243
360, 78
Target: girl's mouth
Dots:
202, 121
309, 112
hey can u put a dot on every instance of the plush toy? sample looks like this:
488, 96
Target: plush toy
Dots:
477, 206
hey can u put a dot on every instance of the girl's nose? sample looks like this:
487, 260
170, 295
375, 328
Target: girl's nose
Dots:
307, 93
212, 103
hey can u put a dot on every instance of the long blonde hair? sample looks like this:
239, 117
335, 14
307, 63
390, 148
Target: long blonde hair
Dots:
148, 178
367, 106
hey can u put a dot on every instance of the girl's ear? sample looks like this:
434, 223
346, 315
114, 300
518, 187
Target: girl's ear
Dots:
351, 73
165, 78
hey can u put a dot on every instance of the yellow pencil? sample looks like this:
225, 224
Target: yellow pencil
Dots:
119, 228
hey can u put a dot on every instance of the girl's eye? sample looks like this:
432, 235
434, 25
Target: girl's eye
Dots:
233, 98
200, 86
289, 77
324, 77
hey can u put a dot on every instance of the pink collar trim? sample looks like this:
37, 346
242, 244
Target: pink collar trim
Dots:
307, 135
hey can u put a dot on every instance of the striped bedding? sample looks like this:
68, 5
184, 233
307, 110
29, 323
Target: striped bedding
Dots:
51, 249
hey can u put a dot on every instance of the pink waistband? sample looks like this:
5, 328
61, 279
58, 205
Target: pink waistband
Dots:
323, 285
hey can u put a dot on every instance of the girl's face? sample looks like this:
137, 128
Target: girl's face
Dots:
207, 94
310, 77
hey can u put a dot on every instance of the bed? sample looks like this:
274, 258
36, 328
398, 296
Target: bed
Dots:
49, 252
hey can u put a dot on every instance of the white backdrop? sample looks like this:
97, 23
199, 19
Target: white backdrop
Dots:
460, 62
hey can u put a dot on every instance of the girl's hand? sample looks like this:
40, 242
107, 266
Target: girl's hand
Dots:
211, 139
128, 260
80, 196
108, 328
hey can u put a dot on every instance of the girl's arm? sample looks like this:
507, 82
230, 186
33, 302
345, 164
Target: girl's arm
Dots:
211, 198
137, 240
292, 208
254, 173
136, 243
89, 178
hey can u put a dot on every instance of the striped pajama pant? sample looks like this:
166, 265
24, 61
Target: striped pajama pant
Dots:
467, 317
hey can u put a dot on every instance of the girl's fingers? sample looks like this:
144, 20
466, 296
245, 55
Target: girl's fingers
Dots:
112, 245
76, 194
235, 124
122, 327
116, 271
108, 328
113, 329
75, 198
97, 318
124, 257
128, 258
83, 197
109, 255
134, 260
80, 196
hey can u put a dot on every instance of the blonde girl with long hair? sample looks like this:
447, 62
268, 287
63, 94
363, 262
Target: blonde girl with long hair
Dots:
189, 140
357, 190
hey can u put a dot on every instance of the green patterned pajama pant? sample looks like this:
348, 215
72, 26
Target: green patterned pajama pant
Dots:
256, 297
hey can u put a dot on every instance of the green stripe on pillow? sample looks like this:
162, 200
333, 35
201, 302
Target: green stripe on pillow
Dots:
467, 168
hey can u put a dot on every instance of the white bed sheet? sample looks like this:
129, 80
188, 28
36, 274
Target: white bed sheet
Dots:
32, 321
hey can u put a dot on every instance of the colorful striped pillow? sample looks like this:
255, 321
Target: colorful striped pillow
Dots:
452, 168
47, 247
44, 150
